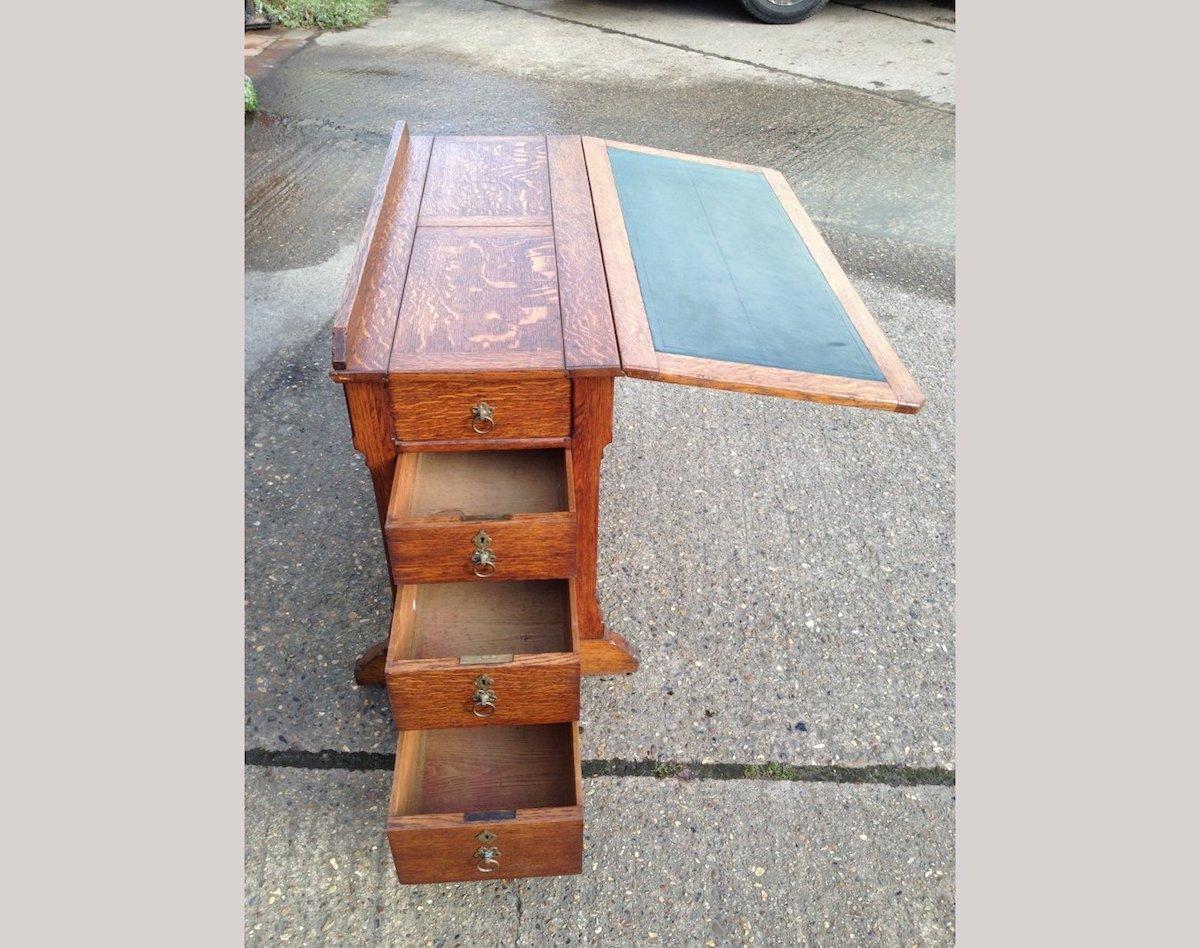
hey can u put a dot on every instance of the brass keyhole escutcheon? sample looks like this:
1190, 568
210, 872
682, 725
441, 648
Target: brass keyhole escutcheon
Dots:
483, 418
486, 836
483, 559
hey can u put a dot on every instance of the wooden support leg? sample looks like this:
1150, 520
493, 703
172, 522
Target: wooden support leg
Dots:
610, 655
368, 670
602, 652
371, 424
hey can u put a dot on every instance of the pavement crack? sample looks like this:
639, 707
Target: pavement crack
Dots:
892, 775
895, 16
683, 47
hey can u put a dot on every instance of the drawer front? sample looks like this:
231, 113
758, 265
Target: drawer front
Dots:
535, 546
539, 842
530, 689
450, 411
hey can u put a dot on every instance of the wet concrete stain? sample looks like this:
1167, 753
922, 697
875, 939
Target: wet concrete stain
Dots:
882, 168
306, 190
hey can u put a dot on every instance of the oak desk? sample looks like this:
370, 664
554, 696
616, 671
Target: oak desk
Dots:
500, 285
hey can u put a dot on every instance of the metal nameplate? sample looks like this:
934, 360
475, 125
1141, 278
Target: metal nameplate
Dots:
484, 659
489, 816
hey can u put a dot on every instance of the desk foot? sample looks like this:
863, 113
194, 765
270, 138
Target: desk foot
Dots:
368, 670
610, 655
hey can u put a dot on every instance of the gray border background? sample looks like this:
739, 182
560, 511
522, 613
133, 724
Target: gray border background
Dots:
1076, 472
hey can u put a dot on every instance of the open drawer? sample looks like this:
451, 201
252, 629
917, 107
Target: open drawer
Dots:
487, 803
468, 515
463, 654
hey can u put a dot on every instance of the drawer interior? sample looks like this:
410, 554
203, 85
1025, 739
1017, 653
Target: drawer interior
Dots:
450, 620
472, 770
481, 484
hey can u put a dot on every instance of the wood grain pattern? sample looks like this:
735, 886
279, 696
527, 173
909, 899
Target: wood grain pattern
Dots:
491, 292
366, 319
441, 411
531, 689
528, 546
369, 407
589, 339
479, 484
532, 221
434, 626
610, 655
782, 383
370, 665
907, 395
625, 295
435, 547
494, 444
431, 547
465, 770
591, 413
541, 842
482, 177
449, 620
448, 783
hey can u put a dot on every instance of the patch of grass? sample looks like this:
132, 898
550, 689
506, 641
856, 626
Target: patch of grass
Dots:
250, 95
666, 768
324, 14
770, 771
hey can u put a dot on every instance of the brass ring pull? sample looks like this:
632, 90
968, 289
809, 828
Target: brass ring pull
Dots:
483, 560
482, 418
483, 702
484, 709
489, 858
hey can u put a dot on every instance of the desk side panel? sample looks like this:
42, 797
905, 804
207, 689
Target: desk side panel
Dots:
366, 318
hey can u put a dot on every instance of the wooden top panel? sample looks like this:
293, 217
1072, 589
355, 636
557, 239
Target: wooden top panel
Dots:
479, 255
514, 255
482, 289
718, 278
480, 298
487, 180
724, 273
506, 274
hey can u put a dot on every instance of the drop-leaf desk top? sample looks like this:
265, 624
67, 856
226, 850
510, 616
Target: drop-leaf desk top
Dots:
541, 256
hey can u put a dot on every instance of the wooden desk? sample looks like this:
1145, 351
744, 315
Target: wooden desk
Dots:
500, 285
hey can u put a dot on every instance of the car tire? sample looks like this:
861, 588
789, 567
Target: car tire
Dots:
781, 11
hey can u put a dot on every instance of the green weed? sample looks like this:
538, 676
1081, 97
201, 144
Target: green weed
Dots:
323, 14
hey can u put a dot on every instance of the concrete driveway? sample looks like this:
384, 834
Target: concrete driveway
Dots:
781, 769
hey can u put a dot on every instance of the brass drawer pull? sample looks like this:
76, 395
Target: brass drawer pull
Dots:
482, 418
489, 858
483, 702
483, 560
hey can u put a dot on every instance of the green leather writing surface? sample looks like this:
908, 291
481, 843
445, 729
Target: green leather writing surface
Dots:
725, 275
